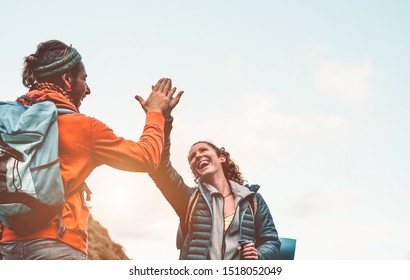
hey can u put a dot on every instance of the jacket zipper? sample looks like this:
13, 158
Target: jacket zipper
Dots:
241, 217
224, 234
225, 231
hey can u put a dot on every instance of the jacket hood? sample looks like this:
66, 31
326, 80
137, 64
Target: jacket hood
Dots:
252, 188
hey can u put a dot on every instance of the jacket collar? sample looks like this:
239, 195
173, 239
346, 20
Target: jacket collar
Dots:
240, 191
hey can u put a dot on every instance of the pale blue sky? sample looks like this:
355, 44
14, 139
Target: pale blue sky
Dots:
309, 97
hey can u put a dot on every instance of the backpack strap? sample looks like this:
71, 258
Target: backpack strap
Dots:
88, 192
1, 233
83, 188
254, 205
184, 224
7, 150
254, 202
62, 111
32, 100
62, 227
191, 204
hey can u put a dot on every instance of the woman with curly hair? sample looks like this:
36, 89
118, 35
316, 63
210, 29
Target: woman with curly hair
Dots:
221, 217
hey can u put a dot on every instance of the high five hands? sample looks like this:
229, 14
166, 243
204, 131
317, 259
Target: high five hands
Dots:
161, 98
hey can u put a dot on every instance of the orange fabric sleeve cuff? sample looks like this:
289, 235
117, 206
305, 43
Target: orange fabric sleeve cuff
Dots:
155, 118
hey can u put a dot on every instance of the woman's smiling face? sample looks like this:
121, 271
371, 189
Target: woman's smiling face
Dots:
204, 161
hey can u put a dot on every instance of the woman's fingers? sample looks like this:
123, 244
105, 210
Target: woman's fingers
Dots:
250, 252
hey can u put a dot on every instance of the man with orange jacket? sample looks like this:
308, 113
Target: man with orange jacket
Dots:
55, 72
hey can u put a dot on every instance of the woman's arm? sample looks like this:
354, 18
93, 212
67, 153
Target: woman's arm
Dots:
267, 240
167, 179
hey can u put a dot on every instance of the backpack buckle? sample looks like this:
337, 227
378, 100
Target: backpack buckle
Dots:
61, 231
3, 170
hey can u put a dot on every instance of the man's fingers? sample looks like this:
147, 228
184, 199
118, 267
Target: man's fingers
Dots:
163, 84
169, 84
157, 85
141, 101
167, 87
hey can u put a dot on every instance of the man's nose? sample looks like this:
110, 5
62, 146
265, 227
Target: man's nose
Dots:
88, 90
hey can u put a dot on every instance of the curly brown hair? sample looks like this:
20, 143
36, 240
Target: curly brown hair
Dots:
230, 169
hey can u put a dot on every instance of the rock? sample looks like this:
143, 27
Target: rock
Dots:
100, 244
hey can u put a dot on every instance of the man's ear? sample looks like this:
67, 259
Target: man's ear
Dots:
66, 78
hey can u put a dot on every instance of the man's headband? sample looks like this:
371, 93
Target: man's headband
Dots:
68, 61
